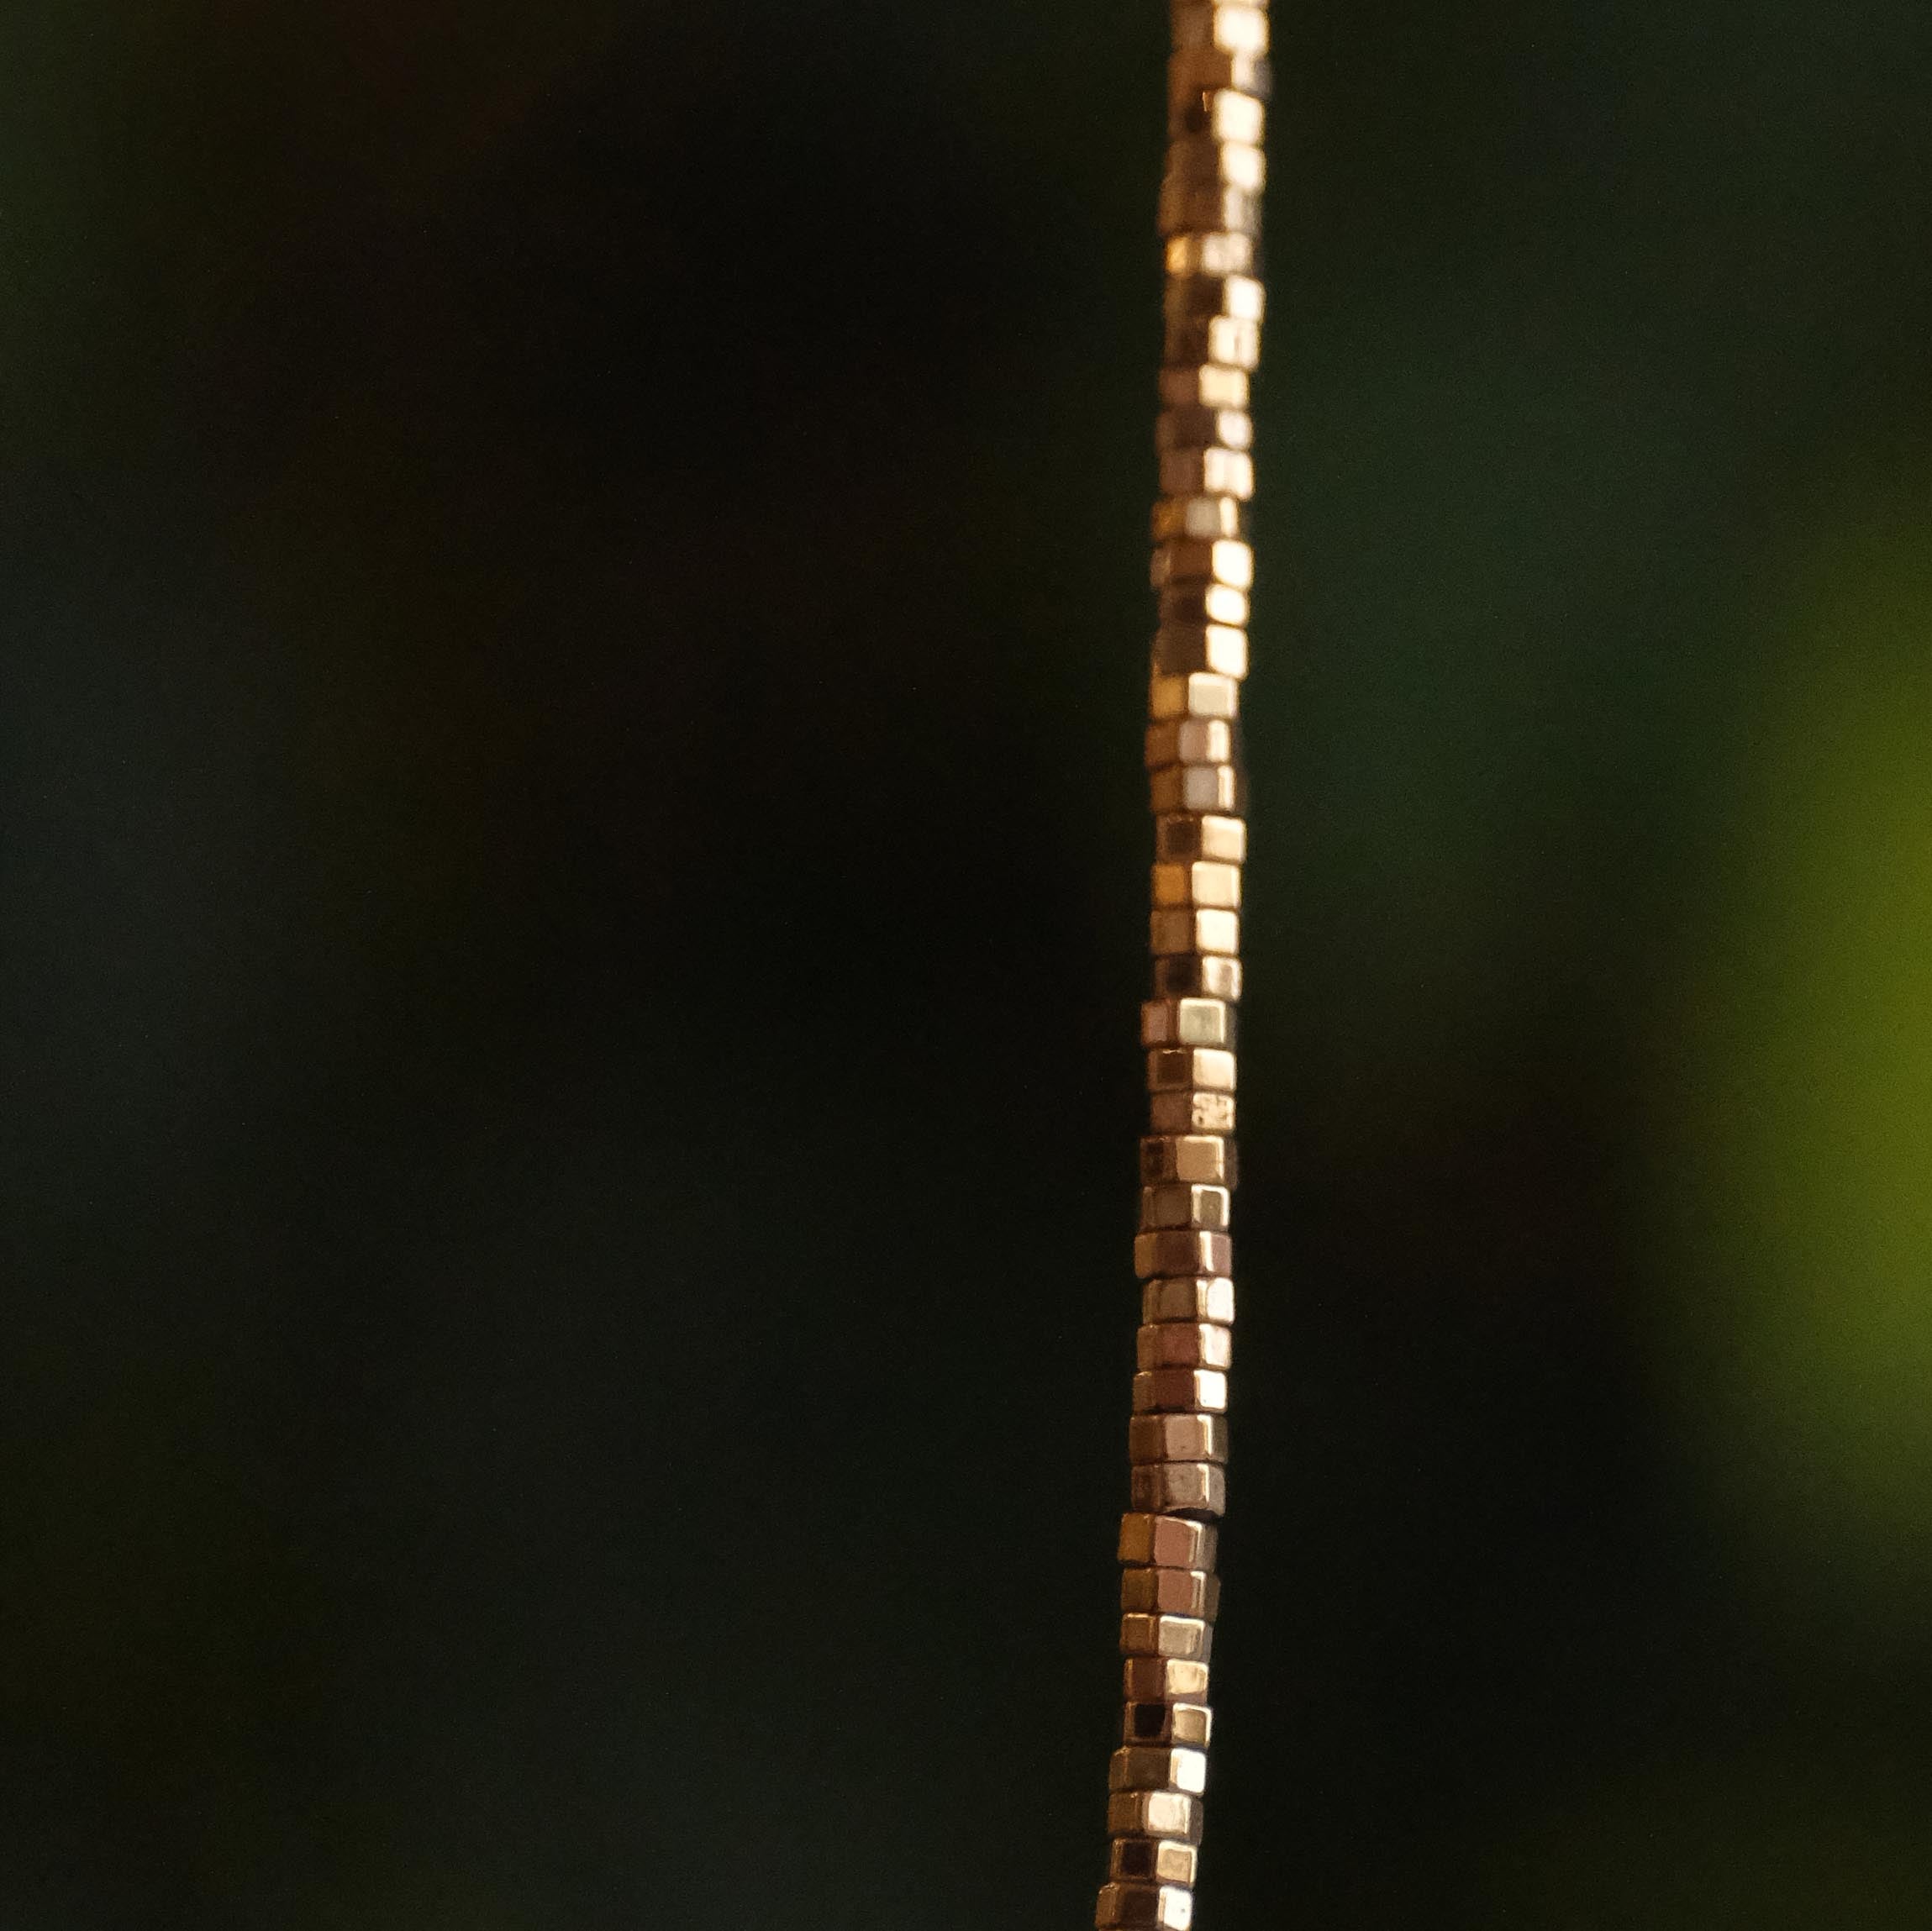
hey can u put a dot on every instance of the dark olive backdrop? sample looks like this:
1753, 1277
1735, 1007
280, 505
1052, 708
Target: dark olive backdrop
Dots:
574, 618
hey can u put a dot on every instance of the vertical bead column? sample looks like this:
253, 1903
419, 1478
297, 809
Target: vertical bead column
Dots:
1204, 570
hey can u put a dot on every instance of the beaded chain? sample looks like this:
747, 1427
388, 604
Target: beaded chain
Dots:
1203, 571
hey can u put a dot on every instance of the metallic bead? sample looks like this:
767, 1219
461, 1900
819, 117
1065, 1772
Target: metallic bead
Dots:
1203, 1301
1188, 208
1204, 603
1184, 1344
1208, 472
1168, 1542
1193, 426
1144, 1907
1187, 1022
1190, 560
1204, 518
1199, 298
1211, 255
1182, 1205
1213, 339
1207, 1158
1220, 648
1187, 1637
1148, 1859
1190, 741
1188, 1438
1181, 1252
1180, 1487
1164, 1680
1202, 161
1205, 386
1193, 1595
1205, 881
1221, 114
1195, 931
1205, 1069
1179, 840
1191, 1112
1140, 1767
1193, 694
1186, 977
1194, 71
1181, 1390
1167, 1723
1227, 29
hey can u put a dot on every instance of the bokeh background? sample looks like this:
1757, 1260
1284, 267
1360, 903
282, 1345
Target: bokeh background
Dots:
574, 616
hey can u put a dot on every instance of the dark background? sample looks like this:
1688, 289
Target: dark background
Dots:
574, 617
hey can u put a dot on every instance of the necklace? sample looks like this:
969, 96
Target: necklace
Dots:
1203, 571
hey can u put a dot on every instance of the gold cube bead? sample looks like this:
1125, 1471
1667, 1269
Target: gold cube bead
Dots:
1190, 560
1187, 1022
1206, 386
1193, 694
1205, 1069
1205, 882
1210, 472
1190, 741
1177, 1252
1192, 254
1188, 208
1203, 1301
1191, 1112
1199, 604
1148, 1859
1168, 1542
1203, 519
1202, 161
1191, 1594
1137, 1767
1144, 1907
1198, 976
1207, 1158
1187, 1438
1180, 839
1192, 427
1222, 113
1195, 931
1225, 30
1184, 1344
1196, 71
1217, 790
1180, 1391
1201, 297
1186, 1637
1182, 1205
1223, 339
1164, 1680
1191, 1723
1180, 1487
1184, 648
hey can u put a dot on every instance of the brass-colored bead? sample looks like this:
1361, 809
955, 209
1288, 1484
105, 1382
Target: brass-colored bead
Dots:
1213, 339
1191, 1723
1202, 161
1189, 207
1191, 255
1187, 1022
1200, 1302
1201, 298
1205, 881
1181, 1390
1199, 604
1180, 1487
1136, 1767
1192, 427
1206, 386
1226, 29
1190, 1438
1196, 977
1182, 647
1164, 1680
1181, 1253
1180, 839
1144, 1907
1209, 1158
1191, 1112
1190, 560
1187, 1637
1194, 71
1180, 1206
1195, 694
1208, 472
1221, 114
1190, 741
1191, 1594
1148, 1859
1202, 519
1209, 1069
1219, 790
1184, 1344
1195, 931
1168, 1542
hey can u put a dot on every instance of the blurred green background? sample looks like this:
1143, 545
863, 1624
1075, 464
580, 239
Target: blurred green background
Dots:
573, 896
